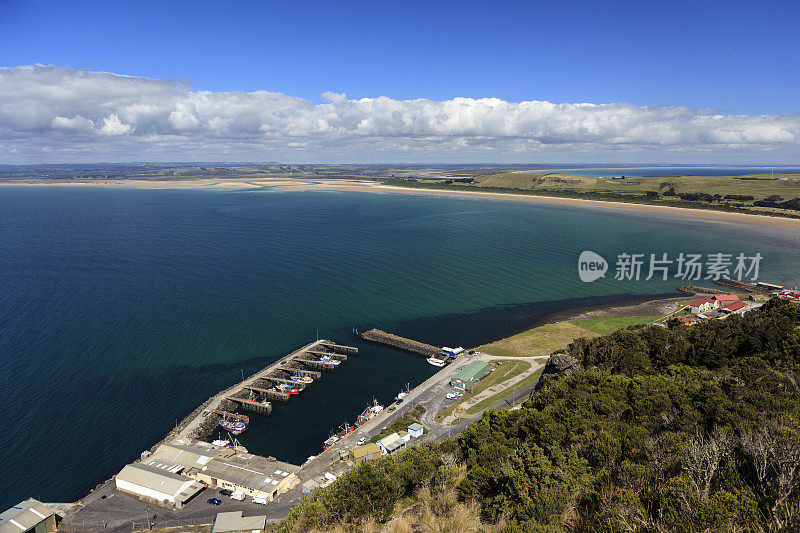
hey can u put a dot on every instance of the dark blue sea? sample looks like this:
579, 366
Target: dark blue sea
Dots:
122, 309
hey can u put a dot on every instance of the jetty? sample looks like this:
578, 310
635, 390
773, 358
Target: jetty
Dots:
401, 343
257, 392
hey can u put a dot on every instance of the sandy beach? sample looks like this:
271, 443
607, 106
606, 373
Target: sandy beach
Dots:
301, 184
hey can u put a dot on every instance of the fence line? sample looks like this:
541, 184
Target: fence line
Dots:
171, 522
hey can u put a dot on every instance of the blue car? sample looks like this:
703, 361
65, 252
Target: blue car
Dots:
214, 501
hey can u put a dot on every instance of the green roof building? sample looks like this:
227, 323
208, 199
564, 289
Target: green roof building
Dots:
470, 374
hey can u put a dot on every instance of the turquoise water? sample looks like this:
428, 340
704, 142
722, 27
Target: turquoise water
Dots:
121, 310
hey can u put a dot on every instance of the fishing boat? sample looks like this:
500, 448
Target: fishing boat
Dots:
264, 403
369, 412
403, 393
330, 442
287, 389
236, 427
326, 359
302, 379
436, 362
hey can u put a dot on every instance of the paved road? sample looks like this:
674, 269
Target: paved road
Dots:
118, 511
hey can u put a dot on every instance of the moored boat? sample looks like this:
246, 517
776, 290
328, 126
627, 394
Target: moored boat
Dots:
435, 361
236, 427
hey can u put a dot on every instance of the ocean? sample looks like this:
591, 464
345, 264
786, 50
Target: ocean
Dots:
121, 310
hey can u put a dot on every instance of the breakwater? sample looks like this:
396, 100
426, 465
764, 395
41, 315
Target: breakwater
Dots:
401, 343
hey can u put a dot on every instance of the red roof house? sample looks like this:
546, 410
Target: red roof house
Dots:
726, 298
735, 306
703, 304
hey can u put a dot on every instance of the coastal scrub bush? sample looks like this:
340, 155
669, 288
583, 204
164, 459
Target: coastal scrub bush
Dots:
678, 429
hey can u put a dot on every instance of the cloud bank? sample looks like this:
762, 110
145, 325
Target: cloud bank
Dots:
54, 113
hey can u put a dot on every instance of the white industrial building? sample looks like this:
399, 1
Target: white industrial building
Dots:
162, 483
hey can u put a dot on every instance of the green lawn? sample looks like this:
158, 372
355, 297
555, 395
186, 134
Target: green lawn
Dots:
604, 326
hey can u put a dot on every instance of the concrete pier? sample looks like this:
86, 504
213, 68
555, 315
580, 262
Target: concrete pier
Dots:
338, 348
260, 386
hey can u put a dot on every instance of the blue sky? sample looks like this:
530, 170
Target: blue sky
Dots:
741, 58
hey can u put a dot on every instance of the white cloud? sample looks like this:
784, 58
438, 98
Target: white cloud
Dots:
79, 112
112, 126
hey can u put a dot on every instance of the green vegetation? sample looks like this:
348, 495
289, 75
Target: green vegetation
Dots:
544, 340
401, 424
676, 429
755, 194
539, 341
604, 326
491, 400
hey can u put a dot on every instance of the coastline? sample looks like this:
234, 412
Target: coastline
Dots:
708, 214
636, 305
327, 184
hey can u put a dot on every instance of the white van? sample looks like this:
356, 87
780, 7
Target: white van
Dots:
261, 500
238, 496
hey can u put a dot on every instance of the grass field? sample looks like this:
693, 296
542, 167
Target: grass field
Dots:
541, 341
641, 190
544, 340
757, 185
503, 372
604, 326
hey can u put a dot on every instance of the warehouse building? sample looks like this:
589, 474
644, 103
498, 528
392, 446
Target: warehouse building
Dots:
244, 472
470, 374
30, 516
160, 483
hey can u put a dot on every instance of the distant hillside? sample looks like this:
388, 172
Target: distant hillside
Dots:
678, 429
764, 194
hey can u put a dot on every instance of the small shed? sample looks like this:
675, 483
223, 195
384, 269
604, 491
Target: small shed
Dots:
366, 452
470, 374
416, 430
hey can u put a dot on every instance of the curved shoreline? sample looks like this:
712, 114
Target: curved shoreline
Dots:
364, 185
709, 214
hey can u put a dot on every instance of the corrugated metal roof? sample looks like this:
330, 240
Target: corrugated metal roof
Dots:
24, 516
153, 478
470, 371
234, 521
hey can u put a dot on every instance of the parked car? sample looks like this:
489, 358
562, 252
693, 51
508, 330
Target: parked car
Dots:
261, 500
362, 440
226, 492
214, 501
